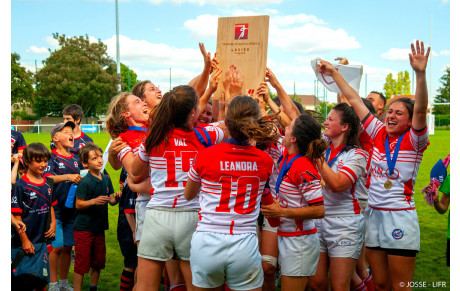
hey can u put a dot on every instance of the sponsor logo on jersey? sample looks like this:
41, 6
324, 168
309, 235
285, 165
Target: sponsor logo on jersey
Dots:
32, 195
398, 233
343, 243
241, 31
61, 165
339, 165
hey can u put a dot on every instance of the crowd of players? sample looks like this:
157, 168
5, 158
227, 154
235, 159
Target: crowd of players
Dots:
228, 193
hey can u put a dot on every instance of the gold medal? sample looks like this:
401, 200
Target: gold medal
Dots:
388, 184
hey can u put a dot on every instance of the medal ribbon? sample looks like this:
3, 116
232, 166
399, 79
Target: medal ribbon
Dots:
284, 169
331, 162
392, 162
236, 142
137, 128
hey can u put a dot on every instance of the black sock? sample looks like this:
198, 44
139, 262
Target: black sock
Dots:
92, 288
126, 280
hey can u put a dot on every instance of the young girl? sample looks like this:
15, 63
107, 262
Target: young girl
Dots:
341, 231
232, 176
166, 154
300, 201
392, 230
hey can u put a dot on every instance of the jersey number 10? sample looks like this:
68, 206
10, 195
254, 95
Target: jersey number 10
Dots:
241, 193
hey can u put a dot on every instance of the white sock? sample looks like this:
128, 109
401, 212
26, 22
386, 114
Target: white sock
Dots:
52, 284
63, 282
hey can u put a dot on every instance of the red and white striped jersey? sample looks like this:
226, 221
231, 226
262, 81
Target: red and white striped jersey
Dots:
300, 187
133, 137
275, 150
232, 180
361, 189
169, 165
352, 163
400, 195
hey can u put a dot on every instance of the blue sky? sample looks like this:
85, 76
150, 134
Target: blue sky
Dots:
156, 35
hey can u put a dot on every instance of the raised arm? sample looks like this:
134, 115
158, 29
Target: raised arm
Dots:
418, 61
264, 92
288, 106
213, 82
340, 97
352, 96
200, 82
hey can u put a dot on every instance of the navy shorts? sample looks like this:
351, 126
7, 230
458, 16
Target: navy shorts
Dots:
129, 252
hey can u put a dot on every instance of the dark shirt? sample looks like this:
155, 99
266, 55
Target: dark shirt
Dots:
95, 217
32, 201
60, 165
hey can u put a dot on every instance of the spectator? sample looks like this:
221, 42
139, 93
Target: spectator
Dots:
93, 193
64, 168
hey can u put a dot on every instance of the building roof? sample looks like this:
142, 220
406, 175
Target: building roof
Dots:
307, 100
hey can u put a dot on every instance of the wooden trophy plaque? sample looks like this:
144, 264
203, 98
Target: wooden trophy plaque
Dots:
242, 41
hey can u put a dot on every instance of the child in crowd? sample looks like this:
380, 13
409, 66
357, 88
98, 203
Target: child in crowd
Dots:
31, 203
64, 168
94, 191
126, 232
74, 113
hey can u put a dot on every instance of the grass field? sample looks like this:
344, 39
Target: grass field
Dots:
431, 261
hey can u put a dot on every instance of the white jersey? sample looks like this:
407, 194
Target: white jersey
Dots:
170, 164
352, 164
400, 195
299, 188
275, 150
232, 180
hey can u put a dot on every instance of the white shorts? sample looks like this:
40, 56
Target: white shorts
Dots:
342, 236
141, 207
266, 226
299, 255
217, 258
392, 229
168, 232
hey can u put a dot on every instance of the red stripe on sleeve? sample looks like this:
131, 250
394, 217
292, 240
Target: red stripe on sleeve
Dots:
16, 210
129, 211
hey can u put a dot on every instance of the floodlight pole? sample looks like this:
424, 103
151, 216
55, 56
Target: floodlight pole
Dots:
118, 43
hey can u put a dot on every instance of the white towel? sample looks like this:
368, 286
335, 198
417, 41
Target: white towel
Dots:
351, 74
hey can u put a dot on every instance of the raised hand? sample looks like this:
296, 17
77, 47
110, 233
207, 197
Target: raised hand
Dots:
236, 82
214, 63
271, 78
206, 55
342, 60
326, 68
263, 91
418, 59
214, 80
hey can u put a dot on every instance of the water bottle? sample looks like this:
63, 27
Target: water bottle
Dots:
69, 202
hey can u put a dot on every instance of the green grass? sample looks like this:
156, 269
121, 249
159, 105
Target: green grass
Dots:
431, 261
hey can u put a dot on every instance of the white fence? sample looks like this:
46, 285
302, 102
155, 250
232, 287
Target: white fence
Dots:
41, 128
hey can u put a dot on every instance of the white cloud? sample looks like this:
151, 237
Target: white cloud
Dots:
296, 19
31, 66
204, 26
396, 54
311, 38
445, 1
219, 2
38, 50
160, 78
296, 33
445, 53
52, 41
144, 53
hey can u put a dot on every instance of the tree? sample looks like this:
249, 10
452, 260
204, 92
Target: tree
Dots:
322, 109
124, 78
22, 91
443, 94
399, 87
78, 72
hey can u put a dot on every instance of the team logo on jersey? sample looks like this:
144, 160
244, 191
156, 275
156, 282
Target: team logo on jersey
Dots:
75, 164
241, 31
398, 233
81, 145
339, 165
49, 191
61, 165
305, 175
32, 195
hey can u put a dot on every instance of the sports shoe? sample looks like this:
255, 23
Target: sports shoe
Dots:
65, 287
53, 288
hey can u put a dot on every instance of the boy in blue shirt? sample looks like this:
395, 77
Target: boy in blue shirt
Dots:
94, 191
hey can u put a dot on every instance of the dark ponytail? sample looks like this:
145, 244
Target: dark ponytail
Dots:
348, 115
307, 132
172, 112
